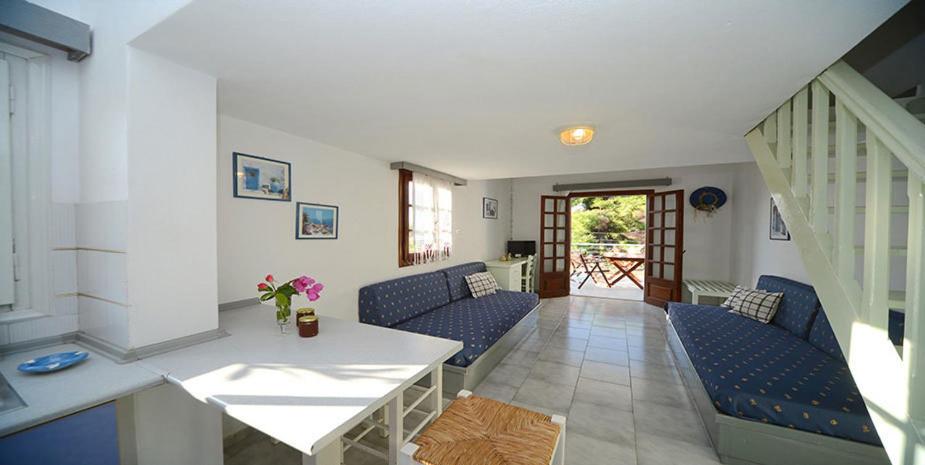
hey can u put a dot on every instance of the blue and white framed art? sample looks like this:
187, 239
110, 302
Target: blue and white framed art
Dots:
261, 178
315, 221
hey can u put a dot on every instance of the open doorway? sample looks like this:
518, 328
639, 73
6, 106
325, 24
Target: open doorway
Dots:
608, 244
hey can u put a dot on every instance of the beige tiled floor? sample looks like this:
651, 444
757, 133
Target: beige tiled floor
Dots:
605, 365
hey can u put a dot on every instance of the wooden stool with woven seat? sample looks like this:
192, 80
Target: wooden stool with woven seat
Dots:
478, 431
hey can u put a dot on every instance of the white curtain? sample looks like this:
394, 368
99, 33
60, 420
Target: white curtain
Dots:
432, 219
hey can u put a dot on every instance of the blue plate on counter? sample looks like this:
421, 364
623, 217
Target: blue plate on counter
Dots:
53, 362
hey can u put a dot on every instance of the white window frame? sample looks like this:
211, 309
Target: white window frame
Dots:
38, 121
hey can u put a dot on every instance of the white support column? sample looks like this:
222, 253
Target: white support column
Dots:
783, 136
820, 202
913, 353
436, 380
395, 418
770, 128
877, 233
332, 454
800, 168
846, 170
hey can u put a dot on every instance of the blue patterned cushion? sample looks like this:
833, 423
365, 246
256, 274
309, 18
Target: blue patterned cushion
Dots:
478, 323
764, 373
823, 338
391, 302
456, 278
798, 307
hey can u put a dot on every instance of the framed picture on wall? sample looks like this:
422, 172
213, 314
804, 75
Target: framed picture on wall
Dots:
489, 208
778, 230
261, 178
315, 221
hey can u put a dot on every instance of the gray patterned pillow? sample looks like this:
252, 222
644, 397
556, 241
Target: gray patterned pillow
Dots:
753, 303
481, 284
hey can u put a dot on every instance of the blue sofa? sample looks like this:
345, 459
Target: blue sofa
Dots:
440, 304
790, 373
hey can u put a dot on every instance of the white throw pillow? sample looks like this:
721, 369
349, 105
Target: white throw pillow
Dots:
754, 303
481, 284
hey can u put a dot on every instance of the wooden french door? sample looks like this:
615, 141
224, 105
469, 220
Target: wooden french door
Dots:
664, 247
554, 246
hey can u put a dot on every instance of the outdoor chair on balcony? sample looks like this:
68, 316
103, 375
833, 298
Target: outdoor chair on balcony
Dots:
590, 266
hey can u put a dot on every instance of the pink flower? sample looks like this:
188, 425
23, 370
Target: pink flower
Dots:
301, 283
269, 278
314, 293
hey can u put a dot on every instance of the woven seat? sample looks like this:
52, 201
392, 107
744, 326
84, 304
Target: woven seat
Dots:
479, 431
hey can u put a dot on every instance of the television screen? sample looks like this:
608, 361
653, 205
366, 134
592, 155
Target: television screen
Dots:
521, 248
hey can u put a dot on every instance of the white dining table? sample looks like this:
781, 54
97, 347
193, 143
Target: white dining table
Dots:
307, 392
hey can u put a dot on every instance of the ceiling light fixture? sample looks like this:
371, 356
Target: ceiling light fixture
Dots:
576, 135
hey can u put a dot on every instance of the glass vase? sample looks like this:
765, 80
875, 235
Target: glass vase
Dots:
283, 318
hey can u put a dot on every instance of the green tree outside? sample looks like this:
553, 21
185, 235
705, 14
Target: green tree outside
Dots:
619, 219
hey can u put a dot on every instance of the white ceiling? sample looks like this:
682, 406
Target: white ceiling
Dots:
479, 89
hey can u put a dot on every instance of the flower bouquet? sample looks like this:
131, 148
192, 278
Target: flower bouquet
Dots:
283, 293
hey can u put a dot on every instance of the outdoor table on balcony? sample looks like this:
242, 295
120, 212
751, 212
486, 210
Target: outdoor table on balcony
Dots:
306, 392
625, 267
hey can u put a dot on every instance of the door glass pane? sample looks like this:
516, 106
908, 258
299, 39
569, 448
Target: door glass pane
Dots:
656, 270
657, 201
560, 250
670, 236
657, 221
547, 250
547, 265
670, 219
547, 220
656, 253
548, 205
560, 264
561, 220
668, 271
561, 205
560, 235
670, 201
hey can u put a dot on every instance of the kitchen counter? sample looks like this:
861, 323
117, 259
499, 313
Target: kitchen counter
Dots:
53, 395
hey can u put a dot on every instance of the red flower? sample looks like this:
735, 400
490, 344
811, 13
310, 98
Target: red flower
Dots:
263, 287
269, 278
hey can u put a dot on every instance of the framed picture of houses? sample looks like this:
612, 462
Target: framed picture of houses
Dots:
316, 221
489, 208
261, 178
778, 229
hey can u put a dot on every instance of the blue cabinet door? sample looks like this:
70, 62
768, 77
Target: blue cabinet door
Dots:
89, 437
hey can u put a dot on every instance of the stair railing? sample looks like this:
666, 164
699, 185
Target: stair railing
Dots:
793, 148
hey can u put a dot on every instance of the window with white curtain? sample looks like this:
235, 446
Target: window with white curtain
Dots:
428, 221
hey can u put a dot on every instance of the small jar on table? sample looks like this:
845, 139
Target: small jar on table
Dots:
308, 326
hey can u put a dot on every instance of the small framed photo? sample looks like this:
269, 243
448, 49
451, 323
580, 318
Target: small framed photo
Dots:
778, 230
314, 221
489, 208
261, 178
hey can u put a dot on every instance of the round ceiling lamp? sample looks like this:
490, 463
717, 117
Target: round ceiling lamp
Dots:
576, 135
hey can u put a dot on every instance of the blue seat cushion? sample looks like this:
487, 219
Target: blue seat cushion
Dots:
478, 323
822, 337
797, 308
456, 278
764, 373
391, 302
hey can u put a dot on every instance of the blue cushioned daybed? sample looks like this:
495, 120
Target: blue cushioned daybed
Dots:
777, 393
440, 304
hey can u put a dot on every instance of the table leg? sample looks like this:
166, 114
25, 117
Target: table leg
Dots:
332, 454
695, 298
396, 430
436, 380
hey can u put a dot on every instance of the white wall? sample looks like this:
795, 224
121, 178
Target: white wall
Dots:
256, 237
171, 184
706, 239
754, 253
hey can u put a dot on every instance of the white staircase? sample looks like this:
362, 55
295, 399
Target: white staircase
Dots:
846, 165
